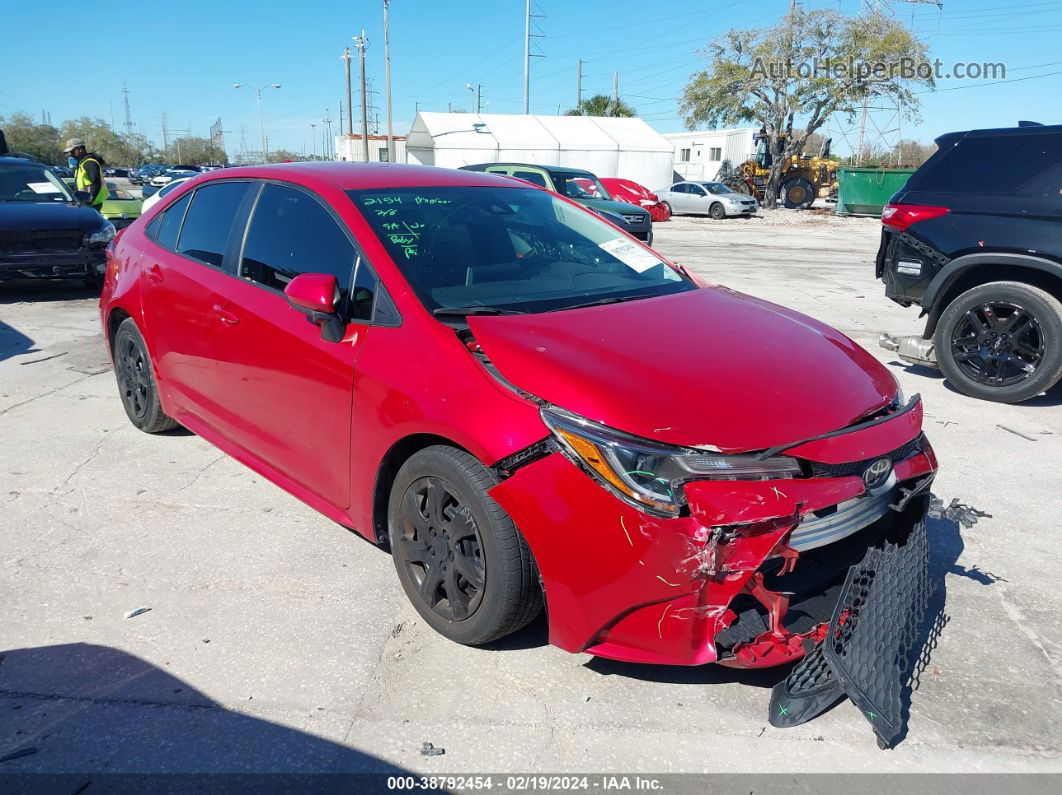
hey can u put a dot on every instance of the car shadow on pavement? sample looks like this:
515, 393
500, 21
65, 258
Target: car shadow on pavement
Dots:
90, 710
13, 342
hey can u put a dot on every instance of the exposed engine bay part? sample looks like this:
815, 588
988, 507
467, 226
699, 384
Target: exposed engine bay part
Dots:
912, 349
872, 643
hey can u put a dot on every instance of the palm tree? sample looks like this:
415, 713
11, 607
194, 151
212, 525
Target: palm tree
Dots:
602, 105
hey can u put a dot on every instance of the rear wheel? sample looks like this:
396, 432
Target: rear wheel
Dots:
460, 559
1001, 341
798, 194
717, 211
136, 381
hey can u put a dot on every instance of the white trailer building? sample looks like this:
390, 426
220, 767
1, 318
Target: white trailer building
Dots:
700, 155
609, 147
349, 147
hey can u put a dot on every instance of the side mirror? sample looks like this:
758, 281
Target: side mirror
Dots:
315, 295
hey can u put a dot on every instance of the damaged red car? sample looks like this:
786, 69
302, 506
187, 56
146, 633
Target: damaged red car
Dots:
527, 406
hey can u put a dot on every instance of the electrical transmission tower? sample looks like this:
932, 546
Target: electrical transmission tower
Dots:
880, 125
128, 115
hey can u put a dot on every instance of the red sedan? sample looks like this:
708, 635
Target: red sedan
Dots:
625, 190
527, 406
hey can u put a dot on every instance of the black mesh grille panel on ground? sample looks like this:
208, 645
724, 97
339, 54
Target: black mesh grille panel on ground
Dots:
873, 642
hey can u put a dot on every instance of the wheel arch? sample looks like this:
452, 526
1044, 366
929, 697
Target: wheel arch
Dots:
972, 270
115, 318
399, 452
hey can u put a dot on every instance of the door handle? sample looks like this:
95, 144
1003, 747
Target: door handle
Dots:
154, 274
225, 316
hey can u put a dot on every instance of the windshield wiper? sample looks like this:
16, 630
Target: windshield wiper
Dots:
612, 299
465, 311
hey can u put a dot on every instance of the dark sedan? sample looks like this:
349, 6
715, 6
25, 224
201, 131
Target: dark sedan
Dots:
44, 232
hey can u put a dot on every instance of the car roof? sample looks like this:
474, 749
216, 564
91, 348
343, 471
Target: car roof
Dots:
1003, 132
547, 169
359, 176
20, 161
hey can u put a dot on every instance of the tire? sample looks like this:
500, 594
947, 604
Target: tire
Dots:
1001, 341
798, 194
465, 545
669, 210
717, 211
136, 380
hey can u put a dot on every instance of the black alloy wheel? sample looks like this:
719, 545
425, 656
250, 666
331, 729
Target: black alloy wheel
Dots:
1001, 341
441, 549
464, 565
136, 380
998, 343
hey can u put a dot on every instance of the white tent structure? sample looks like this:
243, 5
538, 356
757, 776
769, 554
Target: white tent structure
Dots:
609, 147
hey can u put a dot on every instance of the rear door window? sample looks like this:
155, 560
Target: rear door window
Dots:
532, 177
209, 221
291, 233
997, 165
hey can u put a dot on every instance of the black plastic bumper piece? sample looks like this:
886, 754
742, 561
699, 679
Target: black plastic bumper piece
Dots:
872, 643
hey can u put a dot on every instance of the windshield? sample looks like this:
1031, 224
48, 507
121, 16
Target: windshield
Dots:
517, 249
31, 183
578, 185
715, 187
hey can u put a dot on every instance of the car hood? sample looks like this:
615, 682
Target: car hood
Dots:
708, 367
611, 206
28, 216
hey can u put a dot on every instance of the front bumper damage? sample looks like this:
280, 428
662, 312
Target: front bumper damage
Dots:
739, 580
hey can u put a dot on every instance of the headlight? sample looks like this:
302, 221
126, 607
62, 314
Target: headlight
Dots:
648, 474
105, 234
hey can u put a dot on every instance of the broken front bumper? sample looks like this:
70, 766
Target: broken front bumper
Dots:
724, 584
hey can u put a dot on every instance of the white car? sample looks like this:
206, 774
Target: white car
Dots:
707, 198
151, 200
166, 177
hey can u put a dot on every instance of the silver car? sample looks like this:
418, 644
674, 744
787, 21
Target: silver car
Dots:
707, 198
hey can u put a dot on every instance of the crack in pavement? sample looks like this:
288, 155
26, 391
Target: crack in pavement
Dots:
1018, 618
49, 392
202, 469
95, 452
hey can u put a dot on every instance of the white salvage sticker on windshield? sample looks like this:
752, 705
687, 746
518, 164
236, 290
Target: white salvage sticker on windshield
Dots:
42, 187
633, 256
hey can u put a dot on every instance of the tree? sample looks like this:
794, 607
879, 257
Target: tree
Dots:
284, 156
39, 140
602, 105
809, 66
195, 150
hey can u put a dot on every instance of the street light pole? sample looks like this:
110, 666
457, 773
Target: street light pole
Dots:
387, 80
261, 119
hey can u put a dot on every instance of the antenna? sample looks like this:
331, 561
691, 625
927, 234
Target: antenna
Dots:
128, 115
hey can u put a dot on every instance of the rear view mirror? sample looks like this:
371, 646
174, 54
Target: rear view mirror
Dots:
315, 295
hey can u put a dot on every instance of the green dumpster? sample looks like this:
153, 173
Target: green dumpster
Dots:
865, 191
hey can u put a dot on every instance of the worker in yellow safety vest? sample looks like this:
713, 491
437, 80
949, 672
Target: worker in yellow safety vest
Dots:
88, 172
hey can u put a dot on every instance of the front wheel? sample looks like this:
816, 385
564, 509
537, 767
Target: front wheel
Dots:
798, 194
717, 211
460, 559
667, 207
1001, 341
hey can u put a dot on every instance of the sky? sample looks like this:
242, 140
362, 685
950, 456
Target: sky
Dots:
182, 59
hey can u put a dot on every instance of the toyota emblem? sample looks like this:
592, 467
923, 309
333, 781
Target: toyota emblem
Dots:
877, 473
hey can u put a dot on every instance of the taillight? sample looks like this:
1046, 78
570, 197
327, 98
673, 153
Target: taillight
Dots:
901, 216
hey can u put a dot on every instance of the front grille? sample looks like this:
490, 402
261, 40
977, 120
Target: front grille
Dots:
857, 467
634, 220
121, 223
41, 240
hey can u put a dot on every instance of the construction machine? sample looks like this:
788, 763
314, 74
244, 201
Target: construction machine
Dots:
804, 177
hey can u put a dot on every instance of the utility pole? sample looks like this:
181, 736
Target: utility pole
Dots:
328, 132
165, 136
479, 91
528, 35
361, 42
313, 138
579, 84
345, 57
387, 85
128, 115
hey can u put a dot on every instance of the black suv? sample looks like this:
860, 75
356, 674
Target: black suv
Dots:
975, 239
